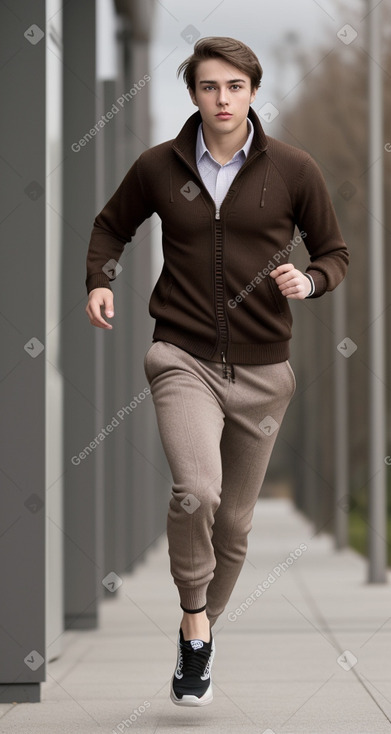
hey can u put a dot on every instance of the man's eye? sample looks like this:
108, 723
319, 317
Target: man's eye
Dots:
233, 86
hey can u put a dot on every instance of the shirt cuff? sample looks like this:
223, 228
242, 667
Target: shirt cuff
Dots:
310, 278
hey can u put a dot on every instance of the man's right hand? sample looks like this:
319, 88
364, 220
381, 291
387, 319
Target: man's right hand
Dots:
98, 298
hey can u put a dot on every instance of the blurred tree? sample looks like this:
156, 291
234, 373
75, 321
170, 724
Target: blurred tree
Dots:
328, 117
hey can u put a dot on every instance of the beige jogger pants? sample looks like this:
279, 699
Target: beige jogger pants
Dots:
218, 436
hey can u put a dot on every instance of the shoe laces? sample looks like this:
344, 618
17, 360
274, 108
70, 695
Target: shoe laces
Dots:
194, 662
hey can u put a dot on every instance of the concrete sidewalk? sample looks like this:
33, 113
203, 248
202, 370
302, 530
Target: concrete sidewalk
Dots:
276, 668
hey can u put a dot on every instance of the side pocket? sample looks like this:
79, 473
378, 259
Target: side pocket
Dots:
293, 378
273, 291
280, 302
146, 360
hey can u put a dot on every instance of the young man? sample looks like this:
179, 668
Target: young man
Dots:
229, 198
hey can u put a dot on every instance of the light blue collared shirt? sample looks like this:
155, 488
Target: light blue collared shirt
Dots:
216, 177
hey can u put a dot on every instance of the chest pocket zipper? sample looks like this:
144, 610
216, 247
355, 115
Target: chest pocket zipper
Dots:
264, 187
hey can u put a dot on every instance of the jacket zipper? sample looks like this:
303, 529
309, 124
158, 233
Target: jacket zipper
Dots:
219, 282
218, 260
228, 369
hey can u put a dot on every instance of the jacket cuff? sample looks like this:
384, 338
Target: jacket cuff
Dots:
311, 280
97, 280
320, 282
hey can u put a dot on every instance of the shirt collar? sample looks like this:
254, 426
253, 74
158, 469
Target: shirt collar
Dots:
201, 148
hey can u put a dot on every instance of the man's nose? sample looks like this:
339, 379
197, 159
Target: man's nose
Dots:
222, 97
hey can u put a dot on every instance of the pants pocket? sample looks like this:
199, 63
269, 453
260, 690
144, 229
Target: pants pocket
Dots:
146, 359
293, 378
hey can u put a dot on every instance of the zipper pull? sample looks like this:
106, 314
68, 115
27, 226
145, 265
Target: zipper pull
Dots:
228, 369
225, 366
217, 215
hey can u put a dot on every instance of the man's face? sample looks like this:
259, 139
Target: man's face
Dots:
221, 87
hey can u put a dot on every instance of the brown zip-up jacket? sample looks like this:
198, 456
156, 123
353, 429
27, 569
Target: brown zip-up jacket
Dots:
215, 295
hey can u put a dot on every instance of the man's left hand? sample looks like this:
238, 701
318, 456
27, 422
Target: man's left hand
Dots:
291, 282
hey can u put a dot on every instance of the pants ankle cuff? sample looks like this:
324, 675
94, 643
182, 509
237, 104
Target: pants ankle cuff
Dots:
193, 611
192, 600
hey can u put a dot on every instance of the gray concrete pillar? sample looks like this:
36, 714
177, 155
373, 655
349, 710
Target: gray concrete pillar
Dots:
22, 373
81, 353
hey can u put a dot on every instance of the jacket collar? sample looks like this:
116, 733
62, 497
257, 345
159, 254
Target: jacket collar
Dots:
185, 142
202, 150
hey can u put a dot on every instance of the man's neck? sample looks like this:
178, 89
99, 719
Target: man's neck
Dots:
224, 146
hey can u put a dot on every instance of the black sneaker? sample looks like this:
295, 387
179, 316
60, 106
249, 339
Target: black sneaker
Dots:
191, 683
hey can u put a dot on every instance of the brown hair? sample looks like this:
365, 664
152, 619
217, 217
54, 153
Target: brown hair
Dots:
230, 50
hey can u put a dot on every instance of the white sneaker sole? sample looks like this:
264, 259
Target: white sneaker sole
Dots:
189, 700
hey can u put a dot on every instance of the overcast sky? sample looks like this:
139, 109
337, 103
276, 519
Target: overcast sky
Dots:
274, 30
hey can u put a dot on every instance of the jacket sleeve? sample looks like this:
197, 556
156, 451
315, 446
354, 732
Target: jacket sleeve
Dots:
115, 225
315, 216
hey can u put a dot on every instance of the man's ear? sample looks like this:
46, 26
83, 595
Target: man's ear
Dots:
253, 95
192, 96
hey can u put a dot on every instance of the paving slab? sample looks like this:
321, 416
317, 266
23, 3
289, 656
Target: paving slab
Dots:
309, 655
